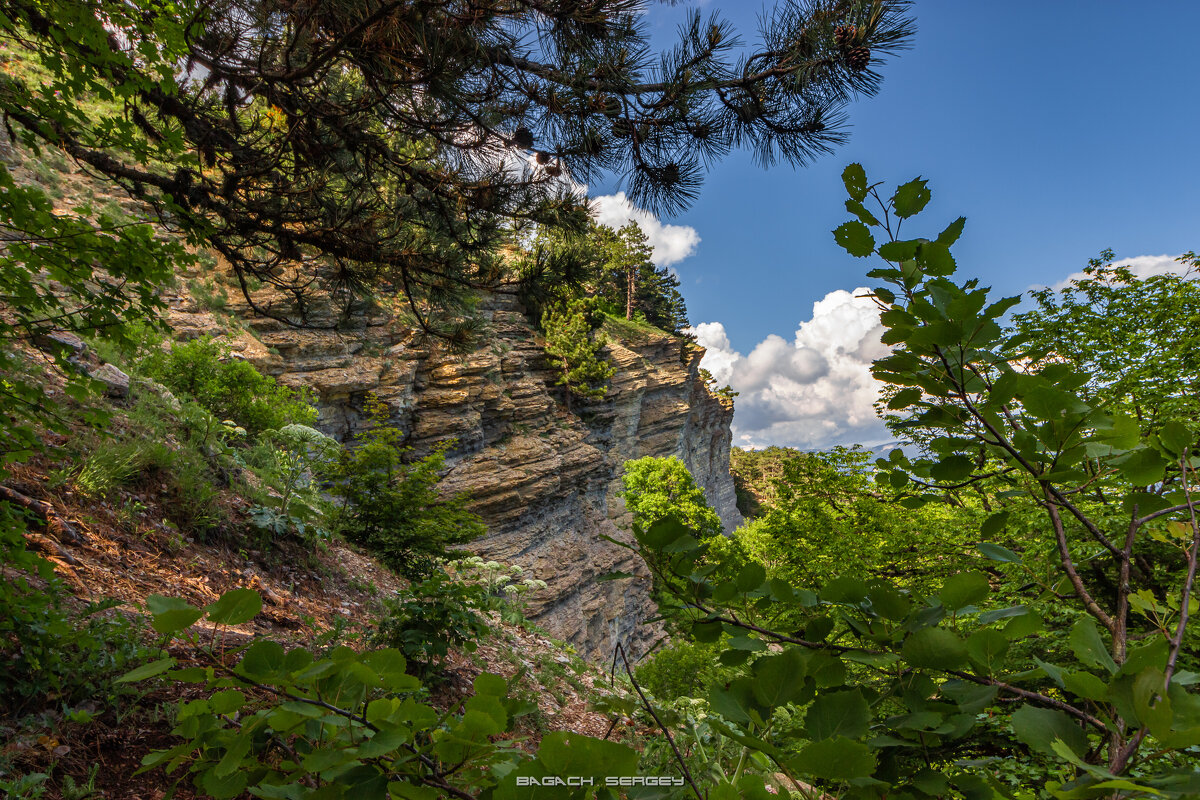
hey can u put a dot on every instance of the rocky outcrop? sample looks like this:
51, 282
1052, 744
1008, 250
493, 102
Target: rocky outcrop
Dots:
546, 481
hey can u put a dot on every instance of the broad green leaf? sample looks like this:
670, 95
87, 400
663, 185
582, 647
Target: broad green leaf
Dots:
888, 602
950, 235
383, 743
835, 759
993, 525
845, 589
1024, 625
262, 659
988, 617
779, 679
910, 198
570, 753
235, 752
171, 614
1152, 706
491, 684
970, 697
935, 259
222, 787
1085, 685
854, 177
1123, 432
227, 701
905, 398
859, 210
964, 589
934, 648
988, 648
146, 671
663, 532
995, 552
1040, 727
707, 632
234, 607
735, 701
1142, 467
1176, 437
855, 238
899, 251
1048, 403
751, 577
952, 469
1088, 646
838, 714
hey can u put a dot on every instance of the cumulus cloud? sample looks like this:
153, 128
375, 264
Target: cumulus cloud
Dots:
813, 392
671, 243
1141, 266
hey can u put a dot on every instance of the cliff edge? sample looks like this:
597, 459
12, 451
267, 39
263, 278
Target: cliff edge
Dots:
544, 480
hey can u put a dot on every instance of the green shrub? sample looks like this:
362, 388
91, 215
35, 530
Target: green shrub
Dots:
230, 388
393, 508
427, 619
51, 655
684, 669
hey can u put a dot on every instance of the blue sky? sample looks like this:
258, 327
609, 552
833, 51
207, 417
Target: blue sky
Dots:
1056, 128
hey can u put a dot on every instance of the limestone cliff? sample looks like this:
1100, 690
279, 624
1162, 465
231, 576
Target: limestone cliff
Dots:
544, 480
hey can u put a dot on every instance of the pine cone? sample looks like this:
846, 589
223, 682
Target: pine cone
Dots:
542, 158
523, 138
844, 35
623, 128
858, 58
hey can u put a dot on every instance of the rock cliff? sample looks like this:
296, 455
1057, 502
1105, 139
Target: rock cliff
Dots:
545, 481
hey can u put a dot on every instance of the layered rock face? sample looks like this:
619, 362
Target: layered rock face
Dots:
544, 480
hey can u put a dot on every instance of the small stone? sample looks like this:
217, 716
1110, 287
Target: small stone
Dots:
61, 341
116, 382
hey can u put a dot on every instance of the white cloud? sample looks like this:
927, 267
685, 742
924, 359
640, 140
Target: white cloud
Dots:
671, 243
1141, 266
814, 392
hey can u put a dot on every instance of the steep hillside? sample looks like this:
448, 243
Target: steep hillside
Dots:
545, 480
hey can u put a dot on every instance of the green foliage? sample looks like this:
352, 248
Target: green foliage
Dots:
612, 268
1061, 666
278, 722
381, 197
392, 507
827, 517
291, 460
1136, 339
572, 343
231, 388
662, 488
53, 656
630, 284
681, 669
429, 618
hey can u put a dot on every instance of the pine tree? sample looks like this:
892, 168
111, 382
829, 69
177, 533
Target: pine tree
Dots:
627, 255
333, 149
572, 342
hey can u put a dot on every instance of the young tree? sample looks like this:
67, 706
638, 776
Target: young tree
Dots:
1085, 670
627, 255
334, 147
660, 488
572, 342
393, 507
1135, 338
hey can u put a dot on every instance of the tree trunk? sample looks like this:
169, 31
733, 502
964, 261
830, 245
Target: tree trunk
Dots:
630, 285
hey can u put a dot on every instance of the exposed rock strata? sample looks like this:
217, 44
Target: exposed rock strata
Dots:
544, 480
